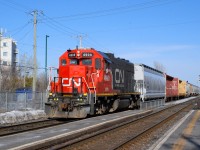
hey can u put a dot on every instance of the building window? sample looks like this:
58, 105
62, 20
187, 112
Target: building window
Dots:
5, 63
5, 53
4, 44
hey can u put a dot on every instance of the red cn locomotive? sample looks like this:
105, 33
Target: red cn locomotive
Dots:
91, 82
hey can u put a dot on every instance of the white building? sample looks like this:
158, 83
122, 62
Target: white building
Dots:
8, 52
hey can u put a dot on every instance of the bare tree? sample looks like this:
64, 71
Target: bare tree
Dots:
159, 66
9, 79
21, 76
40, 86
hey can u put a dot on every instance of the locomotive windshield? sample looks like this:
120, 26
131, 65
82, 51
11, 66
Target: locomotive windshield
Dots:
74, 62
86, 62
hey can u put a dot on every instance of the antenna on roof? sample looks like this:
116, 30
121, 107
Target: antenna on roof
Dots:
80, 37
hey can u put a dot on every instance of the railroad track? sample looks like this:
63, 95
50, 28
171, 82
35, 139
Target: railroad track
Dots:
134, 135
133, 132
18, 128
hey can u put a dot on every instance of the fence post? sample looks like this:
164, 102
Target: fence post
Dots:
41, 101
6, 101
25, 101
146, 106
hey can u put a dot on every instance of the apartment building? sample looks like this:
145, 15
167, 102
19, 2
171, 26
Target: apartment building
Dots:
8, 52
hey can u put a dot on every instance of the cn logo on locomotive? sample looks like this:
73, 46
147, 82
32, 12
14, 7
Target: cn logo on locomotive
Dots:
119, 76
69, 80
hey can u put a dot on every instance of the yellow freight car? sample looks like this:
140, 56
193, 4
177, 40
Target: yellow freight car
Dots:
182, 89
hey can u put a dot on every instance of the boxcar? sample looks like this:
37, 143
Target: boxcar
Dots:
171, 88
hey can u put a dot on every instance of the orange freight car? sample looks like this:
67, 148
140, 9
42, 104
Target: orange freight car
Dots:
172, 91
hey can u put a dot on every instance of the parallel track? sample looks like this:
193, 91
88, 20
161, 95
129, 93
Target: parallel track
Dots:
18, 128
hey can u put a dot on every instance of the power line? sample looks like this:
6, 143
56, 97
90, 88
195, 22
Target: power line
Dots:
19, 29
14, 5
21, 66
18, 4
59, 27
117, 10
24, 36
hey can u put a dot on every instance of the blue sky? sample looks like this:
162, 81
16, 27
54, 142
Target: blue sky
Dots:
142, 31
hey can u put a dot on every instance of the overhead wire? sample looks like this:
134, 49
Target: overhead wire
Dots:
54, 24
58, 26
18, 29
29, 67
15, 6
117, 10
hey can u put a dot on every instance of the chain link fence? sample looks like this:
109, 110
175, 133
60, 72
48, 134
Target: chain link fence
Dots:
35, 101
22, 101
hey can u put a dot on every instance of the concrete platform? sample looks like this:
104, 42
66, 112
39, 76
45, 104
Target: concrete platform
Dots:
185, 135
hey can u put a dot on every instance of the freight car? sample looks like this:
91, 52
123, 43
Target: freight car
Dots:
181, 88
194, 90
91, 82
188, 89
149, 82
171, 88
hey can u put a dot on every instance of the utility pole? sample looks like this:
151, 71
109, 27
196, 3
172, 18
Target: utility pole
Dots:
46, 62
25, 71
0, 59
1, 34
35, 13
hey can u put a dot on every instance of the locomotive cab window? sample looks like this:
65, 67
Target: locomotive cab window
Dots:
74, 62
87, 62
97, 63
63, 62
106, 65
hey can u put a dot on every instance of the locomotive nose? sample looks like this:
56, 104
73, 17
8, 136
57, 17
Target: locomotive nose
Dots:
79, 71
78, 77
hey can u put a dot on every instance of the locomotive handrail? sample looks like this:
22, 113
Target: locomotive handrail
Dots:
86, 84
95, 93
89, 89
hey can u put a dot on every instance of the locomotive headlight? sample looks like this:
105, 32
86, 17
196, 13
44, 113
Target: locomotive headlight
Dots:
80, 99
55, 99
